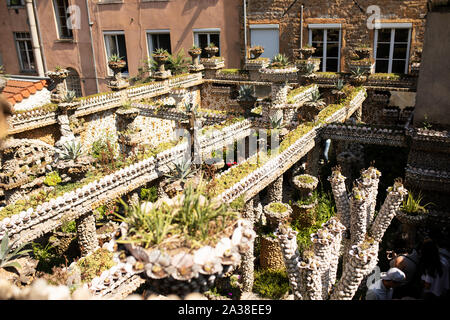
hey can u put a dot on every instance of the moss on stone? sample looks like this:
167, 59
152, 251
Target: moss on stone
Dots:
277, 207
305, 179
93, 265
271, 284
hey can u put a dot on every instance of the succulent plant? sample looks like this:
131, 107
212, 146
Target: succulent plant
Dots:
69, 96
160, 52
181, 171
71, 151
276, 122
280, 61
315, 100
339, 84
189, 107
309, 69
8, 256
211, 45
115, 58
246, 93
358, 72
195, 47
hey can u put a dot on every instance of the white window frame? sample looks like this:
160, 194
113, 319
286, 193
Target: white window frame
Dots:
149, 33
393, 26
58, 21
325, 27
208, 32
13, 6
16, 40
112, 33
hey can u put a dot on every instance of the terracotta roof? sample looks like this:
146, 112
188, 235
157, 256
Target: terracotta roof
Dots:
17, 90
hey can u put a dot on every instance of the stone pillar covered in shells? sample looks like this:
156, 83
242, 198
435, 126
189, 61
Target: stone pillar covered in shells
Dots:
358, 216
275, 190
86, 232
370, 178
336, 229
388, 210
310, 281
322, 241
247, 263
288, 242
337, 181
359, 264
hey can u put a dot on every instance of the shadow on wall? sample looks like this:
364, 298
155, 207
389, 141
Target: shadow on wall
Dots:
199, 6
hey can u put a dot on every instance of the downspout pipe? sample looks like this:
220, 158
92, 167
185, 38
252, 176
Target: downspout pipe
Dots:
301, 26
34, 38
40, 37
92, 44
245, 31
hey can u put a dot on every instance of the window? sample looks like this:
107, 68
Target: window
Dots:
204, 37
61, 18
15, 3
392, 48
158, 39
24, 51
73, 82
326, 38
266, 35
115, 44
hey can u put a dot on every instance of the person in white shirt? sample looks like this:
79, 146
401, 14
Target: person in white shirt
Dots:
384, 288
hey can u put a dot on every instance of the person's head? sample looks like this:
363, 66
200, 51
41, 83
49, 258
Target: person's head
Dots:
429, 256
400, 246
394, 277
5, 111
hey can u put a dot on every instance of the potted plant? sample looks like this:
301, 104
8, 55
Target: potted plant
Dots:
69, 101
279, 70
338, 90
271, 256
412, 210
256, 51
246, 98
116, 63
279, 61
58, 76
195, 52
160, 56
358, 76
307, 51
211, 50
311, 108
363, 51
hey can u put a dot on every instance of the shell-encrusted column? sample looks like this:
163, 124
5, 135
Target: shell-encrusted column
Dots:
371, 178
279, 93
322, 241
310, 282
258, 208
357, 267
336, 228
337, 181
388, 210
358, 217
288, 242
312, 162
86, 232
275, 190
247, 262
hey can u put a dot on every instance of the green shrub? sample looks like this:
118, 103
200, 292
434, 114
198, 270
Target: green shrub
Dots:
52, 178
93, 265
149, 194
69, 227
271, 284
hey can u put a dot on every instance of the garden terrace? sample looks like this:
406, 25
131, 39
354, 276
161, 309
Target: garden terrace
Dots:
365, 134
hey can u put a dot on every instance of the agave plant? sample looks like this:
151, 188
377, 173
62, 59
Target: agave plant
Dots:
114, 58
8, 256
358, 72
71, 151
339, 84
280, 61
211, 45
69, 96
246, 93
189, 107
315, 100
181, 171
309, 69
276, 122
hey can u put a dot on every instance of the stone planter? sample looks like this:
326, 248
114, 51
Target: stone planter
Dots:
256, 52
358, 80
305, 183
182, 272
60, 89
117, 82
305, 214
367, 65
129, 114
307, 52
195, 66
211, 51
302, 63
66, 106
410, 219
363, 52
278, 74
274, 217
271, 255
213, 63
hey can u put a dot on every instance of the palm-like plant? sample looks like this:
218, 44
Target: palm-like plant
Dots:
8, 256
246, 93
177, 63
71, 151
280, 61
